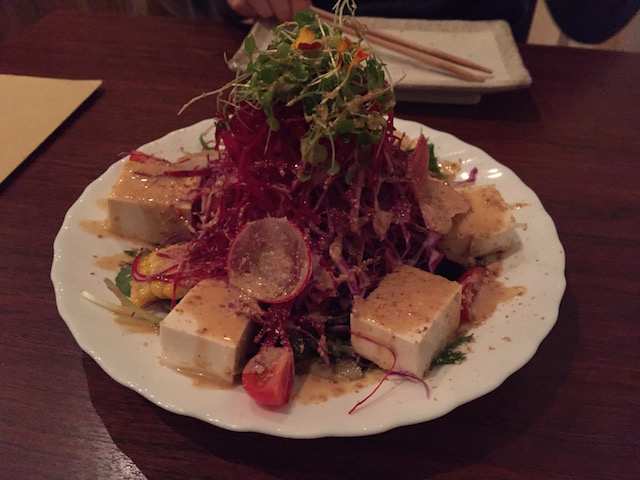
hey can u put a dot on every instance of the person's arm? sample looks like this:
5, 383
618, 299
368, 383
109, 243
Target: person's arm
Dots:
235, 10
592, 21
283, 10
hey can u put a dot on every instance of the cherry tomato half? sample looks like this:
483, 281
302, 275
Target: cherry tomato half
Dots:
268, 377
470, 282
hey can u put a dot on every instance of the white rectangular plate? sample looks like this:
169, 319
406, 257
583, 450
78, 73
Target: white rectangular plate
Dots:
488, 43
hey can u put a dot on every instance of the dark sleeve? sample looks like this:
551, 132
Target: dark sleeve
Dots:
209, 9
225, 12
517, 13
592, 21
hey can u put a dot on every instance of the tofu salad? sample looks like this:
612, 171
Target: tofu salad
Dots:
308, 231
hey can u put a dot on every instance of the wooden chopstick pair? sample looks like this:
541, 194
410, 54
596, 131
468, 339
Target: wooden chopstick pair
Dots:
430, 56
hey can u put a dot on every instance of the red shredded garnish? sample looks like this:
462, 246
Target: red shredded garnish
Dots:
471, 179
360, 222
388, 373
141, 157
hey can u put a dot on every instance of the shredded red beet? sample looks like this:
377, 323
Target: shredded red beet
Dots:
390, 372
360, 222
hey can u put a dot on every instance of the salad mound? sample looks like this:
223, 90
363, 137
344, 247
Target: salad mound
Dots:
308, 199
306, 133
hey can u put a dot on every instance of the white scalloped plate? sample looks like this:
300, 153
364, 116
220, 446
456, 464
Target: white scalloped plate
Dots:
502, 345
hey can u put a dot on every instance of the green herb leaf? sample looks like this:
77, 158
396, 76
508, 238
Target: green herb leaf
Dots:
433, 162
268, 75
304, 176
318, 155
363, 139
204, 143
283, 50
334, 168
344, 126
349, 176
374, 75
250, 45
304, 18
273, 124
450, 355
300, 72
123, 279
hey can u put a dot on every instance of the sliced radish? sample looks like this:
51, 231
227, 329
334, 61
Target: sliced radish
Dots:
270, 260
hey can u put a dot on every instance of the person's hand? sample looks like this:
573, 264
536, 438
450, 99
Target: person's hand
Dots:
283, 10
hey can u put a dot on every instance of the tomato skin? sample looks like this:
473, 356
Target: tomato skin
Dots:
268, 377
139, 157
470, 282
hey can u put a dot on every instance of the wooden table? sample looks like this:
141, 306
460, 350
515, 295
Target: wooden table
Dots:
571, 412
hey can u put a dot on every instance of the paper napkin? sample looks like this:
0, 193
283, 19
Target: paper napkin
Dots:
31, 108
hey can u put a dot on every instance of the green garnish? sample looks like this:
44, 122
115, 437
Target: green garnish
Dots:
123, 279
126, 308
204, 144
434, 166
339, 85
451, 355
124, 276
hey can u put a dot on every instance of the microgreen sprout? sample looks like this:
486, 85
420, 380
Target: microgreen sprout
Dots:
339, 84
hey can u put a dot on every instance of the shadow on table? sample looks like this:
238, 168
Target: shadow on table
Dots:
177, 446
517, 106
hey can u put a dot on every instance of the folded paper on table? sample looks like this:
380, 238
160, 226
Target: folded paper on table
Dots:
31, 108
488, 43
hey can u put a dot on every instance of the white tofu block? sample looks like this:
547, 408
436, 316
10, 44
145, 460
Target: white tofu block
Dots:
204, 335
147, 205
486, 228
413, 313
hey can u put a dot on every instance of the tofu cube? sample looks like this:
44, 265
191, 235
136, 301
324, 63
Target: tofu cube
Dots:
486, 228
413, 313
204, 335
147, 205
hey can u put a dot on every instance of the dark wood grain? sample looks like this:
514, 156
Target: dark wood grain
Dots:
571, 412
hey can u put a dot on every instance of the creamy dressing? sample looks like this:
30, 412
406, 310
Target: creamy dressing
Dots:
204, 381
489, 212
112, 262
102, 204
450, 169
148, 182
147, 203
98, 228
134, 325
405, 309
311, 389
314, 389
224, 324
101, 228
490, 294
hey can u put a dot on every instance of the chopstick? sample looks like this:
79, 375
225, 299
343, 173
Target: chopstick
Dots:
430, 56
